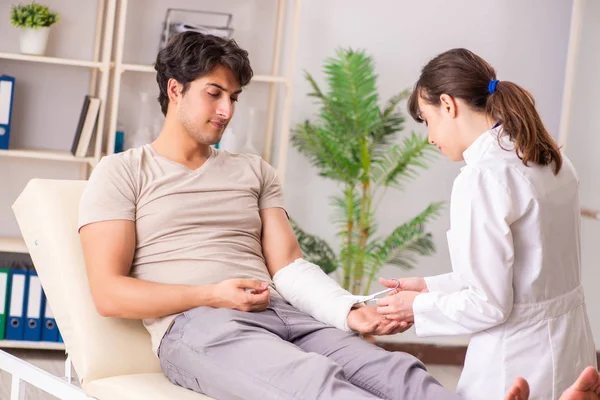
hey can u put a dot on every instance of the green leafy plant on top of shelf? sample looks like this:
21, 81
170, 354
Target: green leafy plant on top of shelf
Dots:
32, 16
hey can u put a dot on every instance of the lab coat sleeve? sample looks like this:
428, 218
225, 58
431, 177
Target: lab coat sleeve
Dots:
445, 283
481, 249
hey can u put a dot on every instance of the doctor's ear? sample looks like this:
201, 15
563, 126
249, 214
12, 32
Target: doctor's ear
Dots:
448, 105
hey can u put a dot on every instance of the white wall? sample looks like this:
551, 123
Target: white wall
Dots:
526, 41
581, 147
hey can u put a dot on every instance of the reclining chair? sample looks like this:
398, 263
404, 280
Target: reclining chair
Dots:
112, 357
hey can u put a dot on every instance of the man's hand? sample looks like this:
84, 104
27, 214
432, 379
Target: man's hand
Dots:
412, 284
398, 307
241, 294
366, 320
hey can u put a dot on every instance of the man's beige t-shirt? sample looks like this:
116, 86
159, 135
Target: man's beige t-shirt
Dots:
193, 227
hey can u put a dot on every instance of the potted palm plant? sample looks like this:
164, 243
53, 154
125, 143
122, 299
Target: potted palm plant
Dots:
352, 143
35, 21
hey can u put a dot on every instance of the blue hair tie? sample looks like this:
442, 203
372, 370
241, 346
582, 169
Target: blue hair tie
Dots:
492, 85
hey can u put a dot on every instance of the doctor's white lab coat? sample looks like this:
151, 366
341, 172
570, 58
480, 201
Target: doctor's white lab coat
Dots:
516, 287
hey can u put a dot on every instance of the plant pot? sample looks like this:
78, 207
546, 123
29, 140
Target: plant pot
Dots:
34, 41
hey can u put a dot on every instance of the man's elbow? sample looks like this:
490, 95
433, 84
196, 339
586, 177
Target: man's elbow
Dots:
282, 260
105, 305
105, 308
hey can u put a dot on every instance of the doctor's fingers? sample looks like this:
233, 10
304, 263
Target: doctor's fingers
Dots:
386, 310
390, 283
385, 301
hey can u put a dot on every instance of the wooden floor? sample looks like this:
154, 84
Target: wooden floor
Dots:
54, 362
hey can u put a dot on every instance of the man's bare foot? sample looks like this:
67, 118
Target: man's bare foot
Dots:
586, 387
518, 391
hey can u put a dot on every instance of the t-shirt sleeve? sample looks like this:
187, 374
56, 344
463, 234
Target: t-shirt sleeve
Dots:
109, 193
271, 191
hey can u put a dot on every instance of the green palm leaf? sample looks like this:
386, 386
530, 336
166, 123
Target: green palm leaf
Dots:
405, 257
391, 121
315, 249
410, 236
352, 88
325, 151
400, 163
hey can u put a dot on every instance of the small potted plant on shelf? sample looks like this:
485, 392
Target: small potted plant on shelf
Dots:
35, 21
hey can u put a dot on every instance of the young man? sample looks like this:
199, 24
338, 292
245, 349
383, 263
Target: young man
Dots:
196, 242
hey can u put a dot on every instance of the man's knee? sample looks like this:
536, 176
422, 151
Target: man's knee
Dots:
403, 361
320, 373
381, 365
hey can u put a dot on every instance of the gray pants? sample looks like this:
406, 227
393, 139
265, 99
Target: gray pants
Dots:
282, 353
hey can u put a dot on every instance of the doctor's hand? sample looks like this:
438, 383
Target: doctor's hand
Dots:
398, 307
241, 295
413, 284
367, 320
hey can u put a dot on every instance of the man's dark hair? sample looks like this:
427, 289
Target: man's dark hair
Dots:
191, 55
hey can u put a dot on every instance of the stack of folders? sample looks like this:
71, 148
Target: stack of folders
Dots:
86, 126
7, 91
24, 312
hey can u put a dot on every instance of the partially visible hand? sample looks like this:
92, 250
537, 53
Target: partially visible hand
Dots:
413, 284
242, 295
367, 320
398, 307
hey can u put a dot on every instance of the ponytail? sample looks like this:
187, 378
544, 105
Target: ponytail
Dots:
515, 108
464, 75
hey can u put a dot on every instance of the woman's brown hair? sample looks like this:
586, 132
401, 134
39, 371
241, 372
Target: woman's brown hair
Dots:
462, 74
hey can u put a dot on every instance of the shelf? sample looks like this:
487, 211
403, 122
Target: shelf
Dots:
22, 344
47, 155
138, 68
269, 79
12, 245
255, 78
51, 60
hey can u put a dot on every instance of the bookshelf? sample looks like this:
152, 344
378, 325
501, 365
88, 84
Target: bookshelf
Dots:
22, 344
99, 65
51, 60
65, 156
107, 67
13, 245
150, 69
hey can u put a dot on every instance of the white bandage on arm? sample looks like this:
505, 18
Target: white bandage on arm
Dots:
310, 290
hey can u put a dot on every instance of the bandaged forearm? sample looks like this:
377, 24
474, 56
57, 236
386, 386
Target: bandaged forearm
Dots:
310, 290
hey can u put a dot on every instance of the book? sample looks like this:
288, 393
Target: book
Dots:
86, 126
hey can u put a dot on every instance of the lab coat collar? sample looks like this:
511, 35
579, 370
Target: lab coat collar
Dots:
481, 145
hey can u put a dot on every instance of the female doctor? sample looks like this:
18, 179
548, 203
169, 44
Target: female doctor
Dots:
514, 238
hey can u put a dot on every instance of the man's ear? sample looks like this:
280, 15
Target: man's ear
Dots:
174, 89
448, 105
